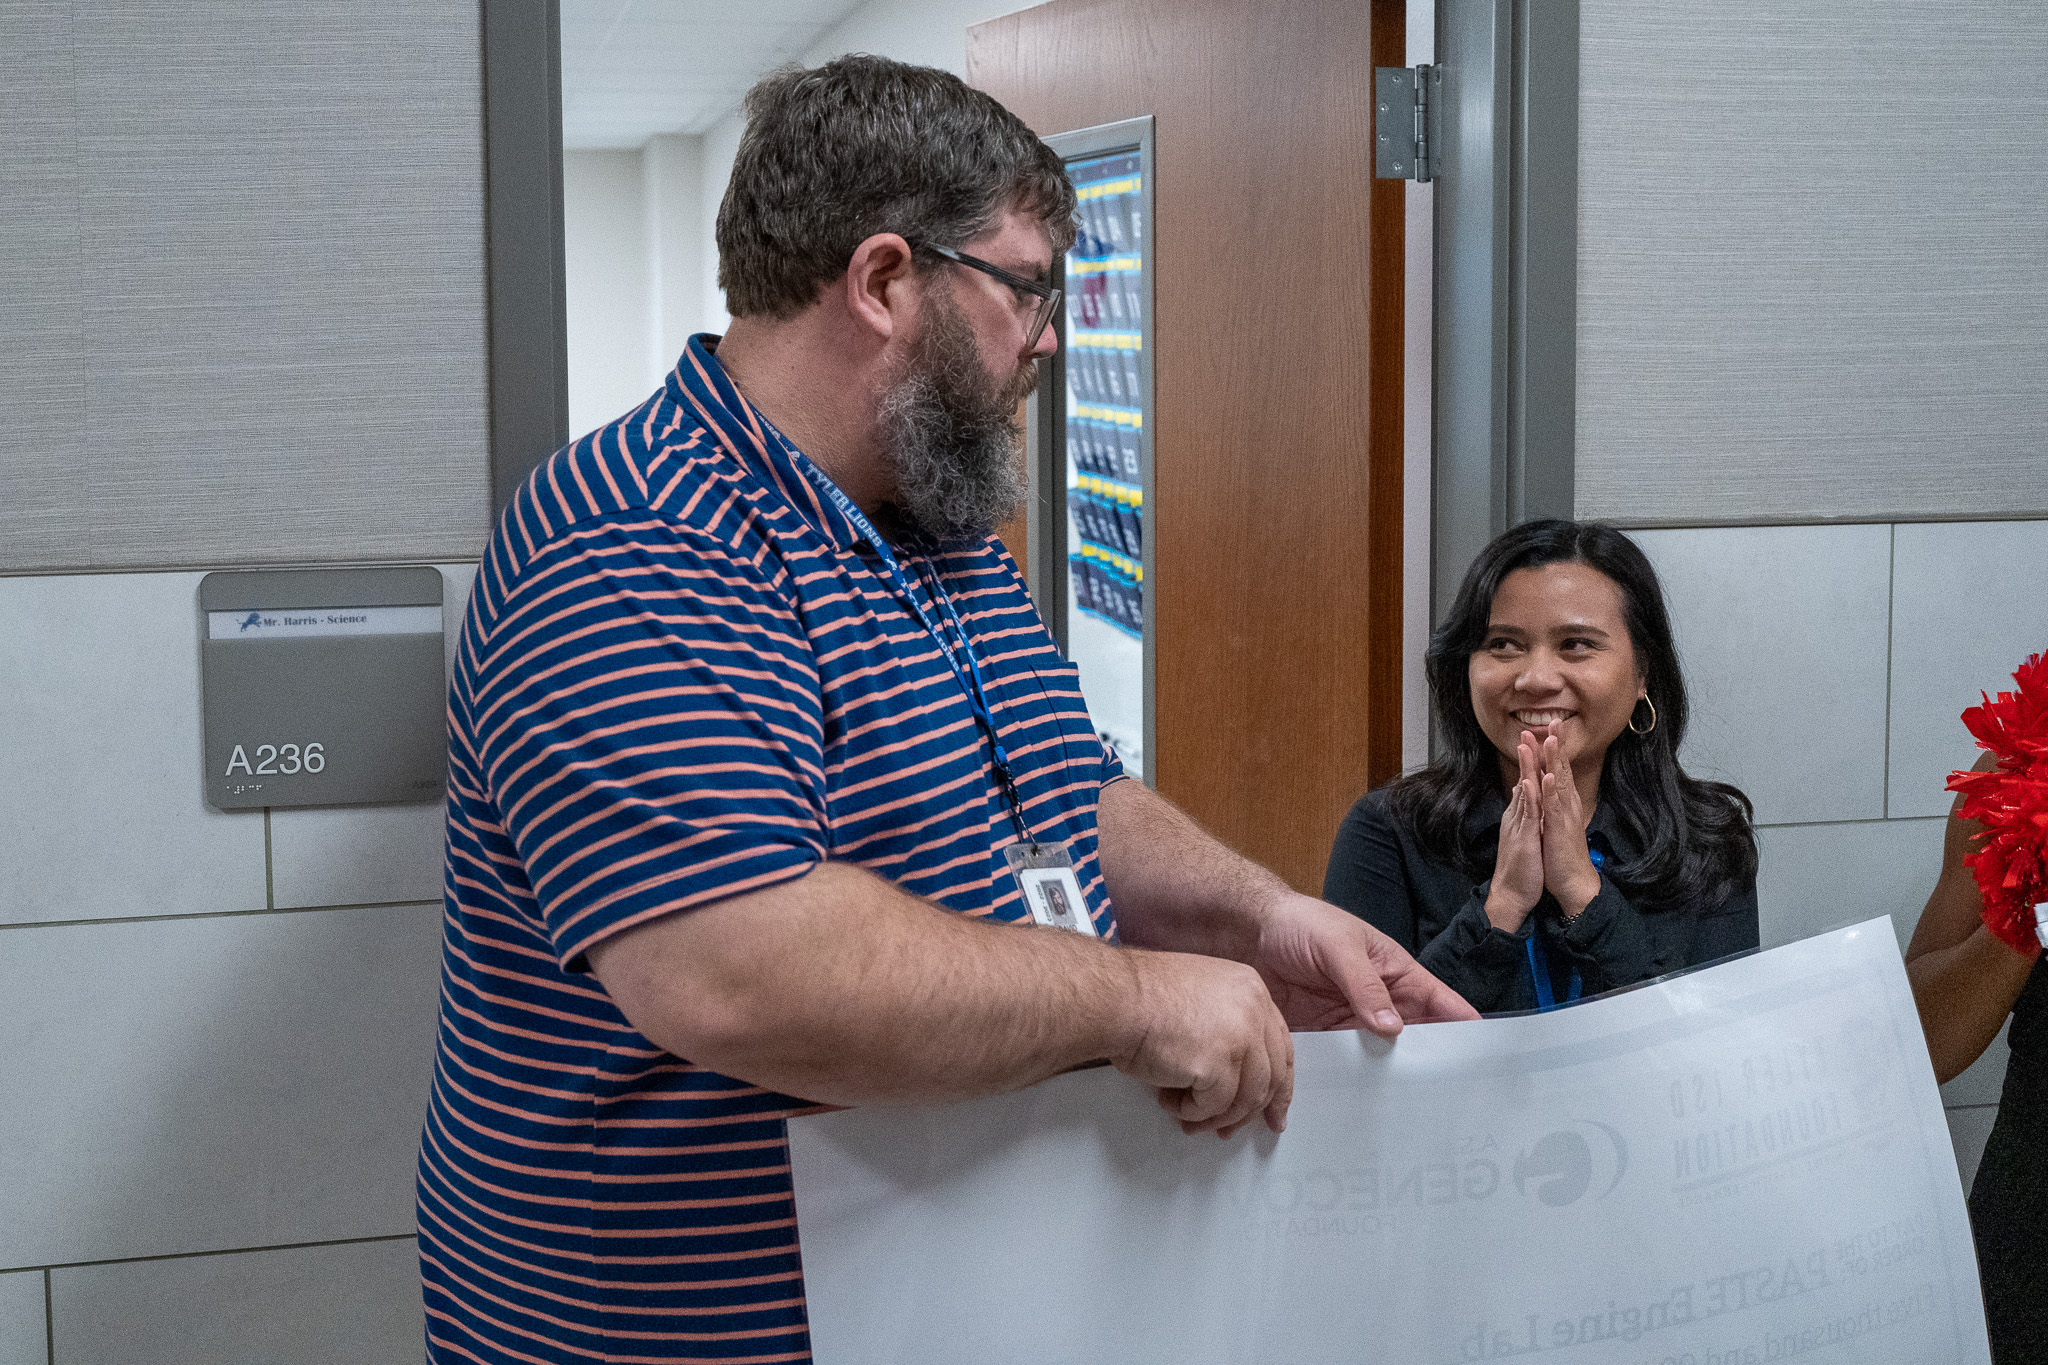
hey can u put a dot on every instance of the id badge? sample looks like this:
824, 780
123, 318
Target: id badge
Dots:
1045, 874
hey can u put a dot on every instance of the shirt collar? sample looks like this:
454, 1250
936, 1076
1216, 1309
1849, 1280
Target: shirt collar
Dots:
1606, 823
700, 385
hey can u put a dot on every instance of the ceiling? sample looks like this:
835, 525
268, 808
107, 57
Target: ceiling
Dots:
634, 68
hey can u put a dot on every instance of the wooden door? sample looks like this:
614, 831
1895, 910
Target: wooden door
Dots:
1276, 388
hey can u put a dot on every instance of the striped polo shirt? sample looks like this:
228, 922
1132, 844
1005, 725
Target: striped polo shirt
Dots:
683, 677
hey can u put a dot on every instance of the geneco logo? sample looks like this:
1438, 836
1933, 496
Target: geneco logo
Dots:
1563, 1165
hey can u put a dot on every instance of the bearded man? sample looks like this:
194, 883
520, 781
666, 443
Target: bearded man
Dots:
760, 761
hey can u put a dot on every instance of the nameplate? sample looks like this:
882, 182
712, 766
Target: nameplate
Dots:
307, 623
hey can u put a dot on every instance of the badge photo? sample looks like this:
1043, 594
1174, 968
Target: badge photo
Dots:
1045, 876
1055, 899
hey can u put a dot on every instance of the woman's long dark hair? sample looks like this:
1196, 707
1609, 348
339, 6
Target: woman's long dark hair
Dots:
1697, 840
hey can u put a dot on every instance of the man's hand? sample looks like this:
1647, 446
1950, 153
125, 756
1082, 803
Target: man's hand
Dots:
1329, 970
1176, 888
1212, 1041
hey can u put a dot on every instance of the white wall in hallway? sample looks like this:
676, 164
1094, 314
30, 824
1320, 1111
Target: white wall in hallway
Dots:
218, 1028
672, 198
607, 283
635, 233
242, 321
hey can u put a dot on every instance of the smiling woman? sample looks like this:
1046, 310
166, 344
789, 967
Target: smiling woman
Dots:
1556, 849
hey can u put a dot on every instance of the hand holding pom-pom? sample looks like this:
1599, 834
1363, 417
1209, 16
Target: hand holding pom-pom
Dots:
2011, 802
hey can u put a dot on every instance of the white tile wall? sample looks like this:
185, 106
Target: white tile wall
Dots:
1969, 601
356, 855
99, 770
332, 1305
1816, 877
1782, 633
1968, 1129
1981, 1082
259, 1079
100, 798
1827, 666
368, 855
200, 1084
24, 1339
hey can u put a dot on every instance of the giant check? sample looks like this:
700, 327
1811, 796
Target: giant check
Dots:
1746, 1164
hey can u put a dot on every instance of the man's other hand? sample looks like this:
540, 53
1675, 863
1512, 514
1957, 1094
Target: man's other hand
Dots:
1330, 970
1210, 1038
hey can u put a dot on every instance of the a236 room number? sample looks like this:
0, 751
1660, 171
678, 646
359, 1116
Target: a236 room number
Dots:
273, 759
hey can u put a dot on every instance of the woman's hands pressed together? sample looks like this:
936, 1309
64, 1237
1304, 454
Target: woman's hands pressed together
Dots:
1518, 864
1542, 838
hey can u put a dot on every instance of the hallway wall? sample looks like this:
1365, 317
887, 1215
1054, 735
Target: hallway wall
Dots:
242, 296
1827, 666
1819, 370
634, 237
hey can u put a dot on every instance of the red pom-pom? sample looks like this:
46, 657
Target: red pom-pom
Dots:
2011, 802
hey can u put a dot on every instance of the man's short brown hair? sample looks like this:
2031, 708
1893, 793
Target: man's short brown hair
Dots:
862, 145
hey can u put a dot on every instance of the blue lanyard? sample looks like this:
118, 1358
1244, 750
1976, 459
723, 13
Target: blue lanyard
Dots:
968, 676
1539, 971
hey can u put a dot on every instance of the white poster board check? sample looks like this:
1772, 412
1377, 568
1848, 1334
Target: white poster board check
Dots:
1746, 1164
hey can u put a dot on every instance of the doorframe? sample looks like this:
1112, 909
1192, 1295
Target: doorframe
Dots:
1505, 336
526, 305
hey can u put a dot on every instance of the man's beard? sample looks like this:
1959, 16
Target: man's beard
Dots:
952, 434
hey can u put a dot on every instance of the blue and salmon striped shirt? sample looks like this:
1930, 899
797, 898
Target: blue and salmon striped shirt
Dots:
681, 678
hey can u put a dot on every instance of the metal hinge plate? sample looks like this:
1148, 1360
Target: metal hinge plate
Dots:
1403, 148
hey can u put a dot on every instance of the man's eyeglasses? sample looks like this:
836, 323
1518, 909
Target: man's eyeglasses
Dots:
1042, 298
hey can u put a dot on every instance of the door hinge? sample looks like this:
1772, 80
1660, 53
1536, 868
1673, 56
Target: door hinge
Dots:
1403, 147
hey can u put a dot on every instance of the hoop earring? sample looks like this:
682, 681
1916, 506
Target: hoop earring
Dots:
1645, 700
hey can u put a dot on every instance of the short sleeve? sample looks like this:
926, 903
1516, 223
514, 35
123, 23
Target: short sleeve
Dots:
646, 711
1111, 768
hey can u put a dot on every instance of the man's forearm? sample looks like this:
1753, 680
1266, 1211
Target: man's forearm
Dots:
844, 989
1176, 887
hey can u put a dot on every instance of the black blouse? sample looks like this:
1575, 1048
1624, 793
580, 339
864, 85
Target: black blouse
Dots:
1438, 913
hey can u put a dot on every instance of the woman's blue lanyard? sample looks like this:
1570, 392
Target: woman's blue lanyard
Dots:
970, 675
1539, 971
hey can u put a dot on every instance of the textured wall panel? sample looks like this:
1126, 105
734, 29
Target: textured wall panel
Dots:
42, 361
1813, 276
253, 251
333, 1305
205, 1084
